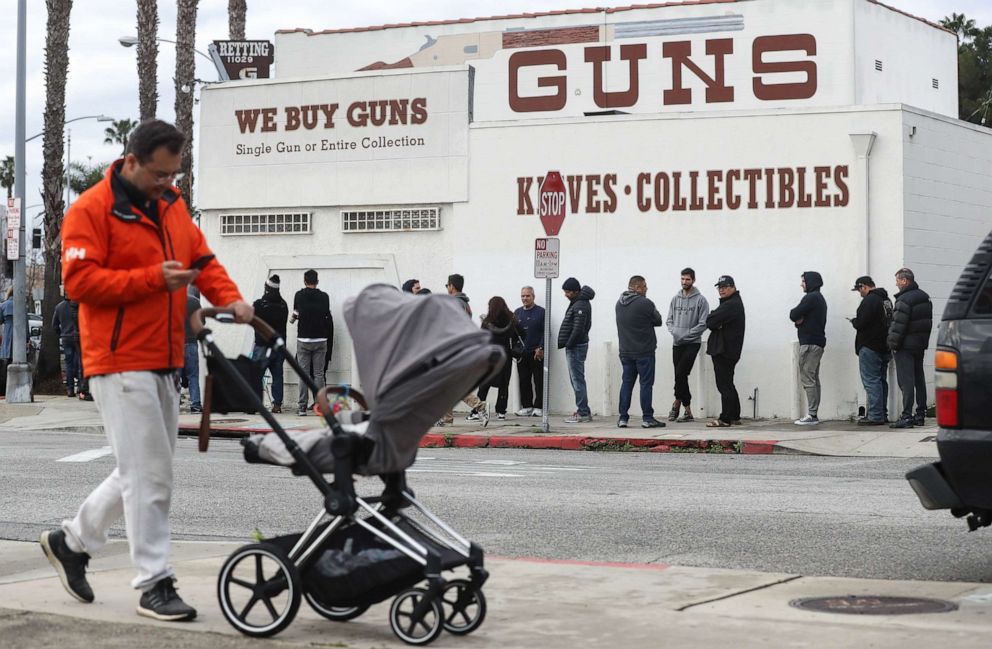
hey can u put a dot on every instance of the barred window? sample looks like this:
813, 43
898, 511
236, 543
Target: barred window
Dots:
393, 220
281, 223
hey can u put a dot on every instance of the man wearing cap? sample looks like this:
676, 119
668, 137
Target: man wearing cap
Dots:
273, 310
872, 325
726, 325
810, 318
573, 337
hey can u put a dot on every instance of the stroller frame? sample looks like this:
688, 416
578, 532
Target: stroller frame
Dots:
378, 515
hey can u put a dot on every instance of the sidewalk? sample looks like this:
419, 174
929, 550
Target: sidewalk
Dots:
754, 437
532, 603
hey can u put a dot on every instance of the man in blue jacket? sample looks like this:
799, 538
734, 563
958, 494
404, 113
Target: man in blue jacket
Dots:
637, 318
810, 318
530, 367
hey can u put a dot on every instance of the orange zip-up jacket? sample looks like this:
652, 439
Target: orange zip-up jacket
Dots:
112, 257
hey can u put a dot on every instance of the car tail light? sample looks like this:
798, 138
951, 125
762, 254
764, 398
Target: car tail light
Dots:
946, 384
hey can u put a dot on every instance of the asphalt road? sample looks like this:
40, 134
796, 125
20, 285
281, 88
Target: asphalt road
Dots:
795, 514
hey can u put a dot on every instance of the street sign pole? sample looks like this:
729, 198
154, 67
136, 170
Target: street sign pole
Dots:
546, 401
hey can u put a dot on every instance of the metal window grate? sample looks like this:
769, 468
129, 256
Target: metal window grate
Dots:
391, 220
936, 84
878, 65
279, 223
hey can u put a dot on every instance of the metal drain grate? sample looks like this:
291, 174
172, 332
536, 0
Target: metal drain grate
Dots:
873, 605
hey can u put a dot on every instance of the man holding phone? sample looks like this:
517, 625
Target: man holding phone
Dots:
129, 251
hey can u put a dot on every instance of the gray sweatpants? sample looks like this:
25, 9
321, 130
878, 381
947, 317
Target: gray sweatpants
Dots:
310, 356
809, 375
140, 412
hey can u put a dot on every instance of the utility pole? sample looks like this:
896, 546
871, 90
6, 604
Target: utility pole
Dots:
19, 372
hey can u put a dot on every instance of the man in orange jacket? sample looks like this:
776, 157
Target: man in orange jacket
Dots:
130, 249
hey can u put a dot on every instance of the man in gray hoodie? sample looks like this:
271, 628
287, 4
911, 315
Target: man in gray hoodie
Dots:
637, 317
686, 322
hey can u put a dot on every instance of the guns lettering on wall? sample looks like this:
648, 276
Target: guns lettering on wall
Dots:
456, 49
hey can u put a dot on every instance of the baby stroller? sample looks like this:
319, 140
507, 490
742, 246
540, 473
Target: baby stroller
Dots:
416, 357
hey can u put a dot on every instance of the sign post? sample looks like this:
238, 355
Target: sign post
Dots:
547, 258
13, 228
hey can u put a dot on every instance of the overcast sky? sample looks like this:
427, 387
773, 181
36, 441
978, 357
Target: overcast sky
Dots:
102, 73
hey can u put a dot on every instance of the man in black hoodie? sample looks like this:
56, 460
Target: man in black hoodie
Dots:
573, 337
872, 325
315, 335
271, 309
909, 337
810, 318
637, 318
726, 325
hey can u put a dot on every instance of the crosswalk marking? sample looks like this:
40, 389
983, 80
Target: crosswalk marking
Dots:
484, 468
88, 456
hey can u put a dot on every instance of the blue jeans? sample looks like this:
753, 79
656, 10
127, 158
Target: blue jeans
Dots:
274, 365
73, 368
191, 370
576, 357
637, 369
874, 369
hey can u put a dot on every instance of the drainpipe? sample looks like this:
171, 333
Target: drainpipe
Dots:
863, 143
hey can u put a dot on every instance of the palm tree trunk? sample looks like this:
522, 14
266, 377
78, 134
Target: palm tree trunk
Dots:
236, 10
52, 174
185, 87
147, 58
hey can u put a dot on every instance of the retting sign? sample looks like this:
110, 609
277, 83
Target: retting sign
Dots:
243, 59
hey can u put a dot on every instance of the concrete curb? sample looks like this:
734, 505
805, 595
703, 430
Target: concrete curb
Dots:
560, 442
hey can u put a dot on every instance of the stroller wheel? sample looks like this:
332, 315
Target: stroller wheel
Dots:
259, 590
464, 607
410, 628
333, 613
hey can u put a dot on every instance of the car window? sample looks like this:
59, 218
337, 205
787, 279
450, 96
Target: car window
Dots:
983, 302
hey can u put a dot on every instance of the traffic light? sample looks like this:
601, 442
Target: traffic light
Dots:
36, 238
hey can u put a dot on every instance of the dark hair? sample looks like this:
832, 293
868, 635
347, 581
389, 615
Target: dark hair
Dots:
499, 314
636, 280
408, 285
310, 277
905, 273
152, 134
457, 281
423, 291
690, 272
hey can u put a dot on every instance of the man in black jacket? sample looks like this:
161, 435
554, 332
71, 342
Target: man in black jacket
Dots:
909, 337
637, 318
726, 325
315, 333
872, 325
573, 337
810, 317
66, 325
273, 310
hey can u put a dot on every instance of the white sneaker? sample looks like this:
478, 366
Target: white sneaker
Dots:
525, 412
808, 420
537, 412
500, 415
473, 416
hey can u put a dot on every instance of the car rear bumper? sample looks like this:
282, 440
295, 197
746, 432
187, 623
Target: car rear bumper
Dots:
966, 464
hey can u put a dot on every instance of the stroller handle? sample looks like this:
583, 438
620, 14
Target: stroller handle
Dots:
325, 405
198, 320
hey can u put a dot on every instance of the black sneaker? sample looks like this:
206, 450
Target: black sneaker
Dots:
904, 422
652, 423
70, 566
162, 602
919, 420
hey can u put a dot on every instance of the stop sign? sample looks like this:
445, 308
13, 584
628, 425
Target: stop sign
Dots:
551, 201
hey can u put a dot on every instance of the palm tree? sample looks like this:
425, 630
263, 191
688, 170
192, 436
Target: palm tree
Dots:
52, 175
83, 175
236, 10
185, 86
965, 28
7, 175
147, 59
118, 132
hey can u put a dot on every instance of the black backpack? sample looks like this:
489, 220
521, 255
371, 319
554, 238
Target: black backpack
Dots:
887, 311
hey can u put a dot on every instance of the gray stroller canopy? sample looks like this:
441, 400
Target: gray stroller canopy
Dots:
417, 356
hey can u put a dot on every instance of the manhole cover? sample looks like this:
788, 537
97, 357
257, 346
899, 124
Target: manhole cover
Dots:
873, 605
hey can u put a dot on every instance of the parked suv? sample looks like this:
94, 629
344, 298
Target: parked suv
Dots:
962, 480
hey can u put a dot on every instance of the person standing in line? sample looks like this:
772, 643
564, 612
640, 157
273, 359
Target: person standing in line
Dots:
637, 318
455, 287
191, 354
131, 292
909, 337
273, 310
411, 286
726, 341
686, 322
872, 324
810, 318
573, 337
530, 367
312, 307
502, 324
66, 325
